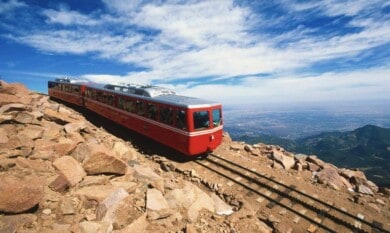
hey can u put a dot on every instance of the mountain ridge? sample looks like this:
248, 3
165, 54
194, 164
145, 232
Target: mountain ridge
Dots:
365, 148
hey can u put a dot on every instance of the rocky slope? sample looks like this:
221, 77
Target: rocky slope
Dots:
60, 173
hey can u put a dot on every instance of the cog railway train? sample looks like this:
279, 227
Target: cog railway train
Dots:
189, 125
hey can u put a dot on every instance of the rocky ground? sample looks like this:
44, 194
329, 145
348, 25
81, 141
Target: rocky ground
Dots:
61, 173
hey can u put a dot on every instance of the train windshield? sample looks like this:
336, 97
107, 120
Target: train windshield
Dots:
217, 120
201, 120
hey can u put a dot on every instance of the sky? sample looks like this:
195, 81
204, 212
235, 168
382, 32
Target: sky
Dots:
234, 52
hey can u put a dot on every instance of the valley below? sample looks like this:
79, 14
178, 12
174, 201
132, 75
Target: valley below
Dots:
351, 137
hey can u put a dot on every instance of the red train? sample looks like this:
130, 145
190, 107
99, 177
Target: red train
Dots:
189, 125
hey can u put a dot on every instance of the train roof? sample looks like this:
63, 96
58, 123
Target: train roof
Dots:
148, 92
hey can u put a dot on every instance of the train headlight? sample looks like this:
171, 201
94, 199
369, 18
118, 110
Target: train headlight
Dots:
212, 137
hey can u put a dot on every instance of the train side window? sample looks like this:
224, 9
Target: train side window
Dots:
130, 106
201, 120
76, 89
166, 115
152, 111
181, 120
140, 108
217, 119
93, 94
121, 103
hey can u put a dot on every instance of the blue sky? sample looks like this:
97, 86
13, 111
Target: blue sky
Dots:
285, 51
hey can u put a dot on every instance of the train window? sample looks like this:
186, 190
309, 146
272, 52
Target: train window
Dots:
181, 120
152, 111
166, 115
52, 85
121, 103
130, 106
217, 120
201, 120
110, 99
141, 108
93, 94
76, 89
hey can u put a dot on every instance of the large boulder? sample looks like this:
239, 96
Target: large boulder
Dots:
82, 151
11, 223
191, 198
140, 226
314, 159
95, 227
16, 107
331, 177
70, 168
355, 177
287, 161
24, 118
58, 117
96, 193
101, 161
33, 131
20, 193
107, 210
8, 99
155, 200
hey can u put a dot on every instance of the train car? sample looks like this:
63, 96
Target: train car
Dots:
66, 90
189, 125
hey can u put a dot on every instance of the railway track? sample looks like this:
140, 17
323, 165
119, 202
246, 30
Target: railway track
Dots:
318, 213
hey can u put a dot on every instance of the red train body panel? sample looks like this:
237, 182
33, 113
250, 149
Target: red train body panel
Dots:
189, 125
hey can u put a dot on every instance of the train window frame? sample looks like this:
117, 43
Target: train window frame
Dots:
201, 120
217, 121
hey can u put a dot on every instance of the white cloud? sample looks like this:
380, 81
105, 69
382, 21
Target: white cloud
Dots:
7, 7
80, 42
334, 7
355, 85
66, 17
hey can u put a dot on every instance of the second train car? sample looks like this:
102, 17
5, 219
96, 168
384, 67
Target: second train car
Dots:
189, 125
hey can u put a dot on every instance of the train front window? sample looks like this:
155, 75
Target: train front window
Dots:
201, 120
217, 120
